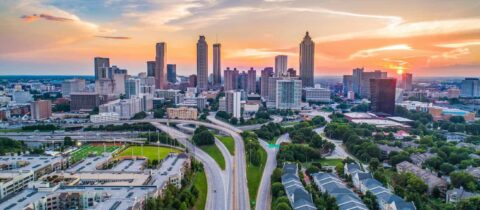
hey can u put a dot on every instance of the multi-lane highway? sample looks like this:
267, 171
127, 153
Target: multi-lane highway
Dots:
264, 196
217, 192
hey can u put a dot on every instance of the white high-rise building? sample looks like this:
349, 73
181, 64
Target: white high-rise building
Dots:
307, 53
281, 65
132, 87
289, 94
202, 64
72, 86
233, 105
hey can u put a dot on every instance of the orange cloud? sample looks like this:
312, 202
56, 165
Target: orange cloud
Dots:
34, 17
114, 37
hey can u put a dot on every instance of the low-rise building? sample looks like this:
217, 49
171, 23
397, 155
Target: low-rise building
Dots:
429, 178
182, 113
457, 194
419, 158
41, 109
299, 198
104, 117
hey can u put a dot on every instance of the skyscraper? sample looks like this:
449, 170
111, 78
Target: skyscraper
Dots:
151, 68
252, 81
382, 94
202, 64
281, 65
406, 82
230, 80
217, 75
288, 94
161, 50
347, 84
291, 72
242, 81
100, 65
470, 87
307, 53
132, 87
172, 73
265, 74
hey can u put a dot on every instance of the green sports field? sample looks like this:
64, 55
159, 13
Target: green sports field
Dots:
87, 149
151, 152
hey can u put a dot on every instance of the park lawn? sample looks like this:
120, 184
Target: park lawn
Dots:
87, 149
330, 162
254, 176
200, 182
215, 153
150, 152
228, 142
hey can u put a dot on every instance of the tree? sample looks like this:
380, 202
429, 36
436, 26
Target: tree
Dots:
158, 113
370, 201
457, 119
203, 137
67, 141
223, 115
446, 168
233, 120
465, 180
373, 164
277, 187
283, 206
312, 169
469, 204
139, 115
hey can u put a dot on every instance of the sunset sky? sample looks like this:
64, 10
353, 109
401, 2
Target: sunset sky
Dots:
427, 38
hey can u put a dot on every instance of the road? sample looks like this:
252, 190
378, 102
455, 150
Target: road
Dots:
241, 199
216, 196
264, 195
276, 119
339, 152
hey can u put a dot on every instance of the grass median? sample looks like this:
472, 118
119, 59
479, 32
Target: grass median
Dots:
215, 153
200, 182
228, 142
254, 177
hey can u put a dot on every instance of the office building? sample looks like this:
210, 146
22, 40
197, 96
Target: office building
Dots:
132, 87
151, 68
192, 80
217, 56
406, 82
84, 101
160, 56
172, 73
383, 95
182, 113
166, 94
21, 97
233, 105
104, 117
41, 109
291, 72
281, 65
307, 60
100, 65
105, 86
242, 81
289, 94
230, 80
126, 108
265, 74
202, 64
72, 85
361, 81
347, 84
272, 92
453, 93
252, 81
470, 88
317, 94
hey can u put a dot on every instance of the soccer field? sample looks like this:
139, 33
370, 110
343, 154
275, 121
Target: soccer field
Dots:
151, 152
87, 149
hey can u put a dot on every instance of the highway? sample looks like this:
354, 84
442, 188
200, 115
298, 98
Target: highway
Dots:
240, 199
264, 195
217, 193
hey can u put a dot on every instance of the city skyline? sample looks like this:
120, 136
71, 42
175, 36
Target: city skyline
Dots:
59, 37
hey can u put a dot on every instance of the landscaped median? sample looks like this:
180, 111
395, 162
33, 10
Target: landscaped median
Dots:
256, 158
204, 139
200, 183
215, 153
229, 142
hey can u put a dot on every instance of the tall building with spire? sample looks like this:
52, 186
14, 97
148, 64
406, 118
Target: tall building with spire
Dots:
202, 64
160, 80
217, 75
307, 53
